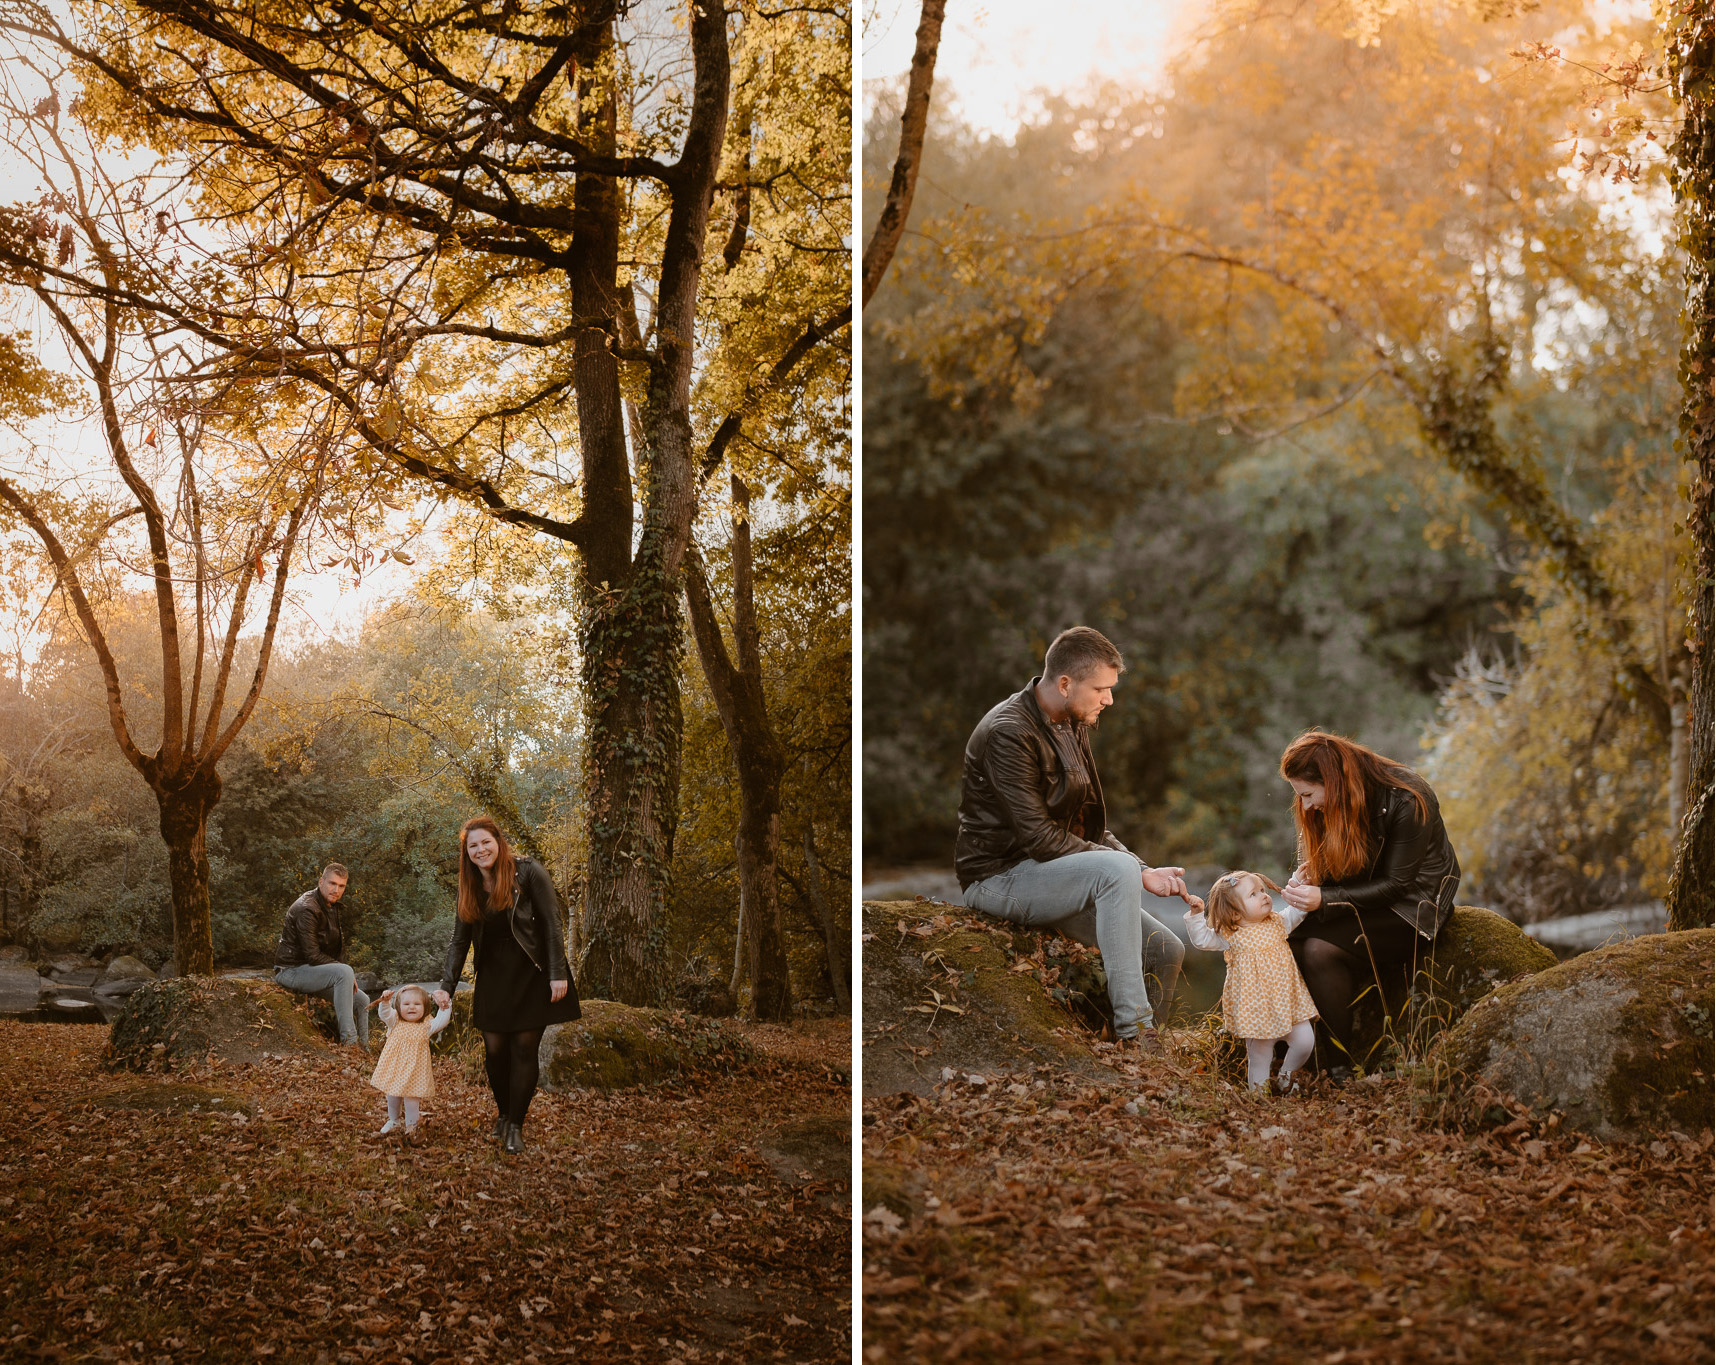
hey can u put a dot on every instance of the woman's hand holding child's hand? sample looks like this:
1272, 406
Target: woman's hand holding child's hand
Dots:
443, 1000
1301, 896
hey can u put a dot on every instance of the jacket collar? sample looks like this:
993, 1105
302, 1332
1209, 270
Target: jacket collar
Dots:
1034, 709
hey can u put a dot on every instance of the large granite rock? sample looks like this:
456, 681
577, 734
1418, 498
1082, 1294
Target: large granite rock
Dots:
125, 968
1618, 1042
939, 994
614, 1047
20, 989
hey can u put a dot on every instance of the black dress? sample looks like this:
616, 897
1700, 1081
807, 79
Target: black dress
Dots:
511, 993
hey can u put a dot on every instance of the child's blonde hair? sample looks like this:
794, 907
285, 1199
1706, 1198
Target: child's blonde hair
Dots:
418, 991
1224, 907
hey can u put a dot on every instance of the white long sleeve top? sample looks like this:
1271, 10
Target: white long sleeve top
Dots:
1200, 934
390, 1016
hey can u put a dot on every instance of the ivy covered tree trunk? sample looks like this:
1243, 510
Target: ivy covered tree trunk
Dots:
631, 628
632, 645
185, 829
1692, 888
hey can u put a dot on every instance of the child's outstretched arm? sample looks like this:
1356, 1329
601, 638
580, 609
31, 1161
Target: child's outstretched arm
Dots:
1199, 932
384, 1008
443, 1017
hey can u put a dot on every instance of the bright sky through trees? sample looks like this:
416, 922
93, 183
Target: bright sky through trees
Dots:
998, 56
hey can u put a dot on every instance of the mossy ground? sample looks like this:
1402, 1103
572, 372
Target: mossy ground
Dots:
616, 1046
941, 990
167, 1024
1153, 1207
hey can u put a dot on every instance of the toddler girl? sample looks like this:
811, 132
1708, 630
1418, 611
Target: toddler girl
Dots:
402, 1072
1264, 998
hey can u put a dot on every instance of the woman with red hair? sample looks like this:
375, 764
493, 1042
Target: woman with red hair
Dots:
508, 911
1378, 874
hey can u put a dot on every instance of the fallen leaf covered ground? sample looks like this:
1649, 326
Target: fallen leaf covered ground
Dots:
253, 1212
1173, 1216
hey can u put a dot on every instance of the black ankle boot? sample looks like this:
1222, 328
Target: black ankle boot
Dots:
514, 1141
500, 1129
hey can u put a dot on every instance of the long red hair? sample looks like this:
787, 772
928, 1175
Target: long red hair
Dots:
471, 906
1335, 840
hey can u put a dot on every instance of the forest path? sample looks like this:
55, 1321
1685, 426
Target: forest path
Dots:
145, 1222
1175, 1217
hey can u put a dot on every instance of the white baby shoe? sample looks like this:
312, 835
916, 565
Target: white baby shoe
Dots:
390, 1126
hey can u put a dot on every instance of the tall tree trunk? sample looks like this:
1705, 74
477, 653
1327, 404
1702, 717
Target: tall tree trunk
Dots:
739, 961
1692, 887
834, 943
184, 828
632, 643
914, 119
738, 693
632, 639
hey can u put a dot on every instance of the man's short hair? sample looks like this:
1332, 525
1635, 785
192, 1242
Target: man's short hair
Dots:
338, 869
1078, 652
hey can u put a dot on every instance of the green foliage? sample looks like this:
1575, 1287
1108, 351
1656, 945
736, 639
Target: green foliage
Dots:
1553, 787
1260, 378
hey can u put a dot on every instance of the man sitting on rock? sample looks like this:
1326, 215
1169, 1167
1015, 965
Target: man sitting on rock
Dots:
308, 958
1034, 846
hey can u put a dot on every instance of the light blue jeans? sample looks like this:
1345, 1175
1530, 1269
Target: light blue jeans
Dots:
336, 983
1096, 897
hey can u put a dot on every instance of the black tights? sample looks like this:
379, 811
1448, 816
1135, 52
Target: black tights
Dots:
1335, 958
510, 1060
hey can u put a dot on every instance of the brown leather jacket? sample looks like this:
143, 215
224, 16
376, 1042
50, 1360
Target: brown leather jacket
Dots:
1412, 869
311, 936
1030, 791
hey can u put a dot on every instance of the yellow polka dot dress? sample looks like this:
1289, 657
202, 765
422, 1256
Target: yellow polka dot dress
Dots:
403, 1068
1264, 995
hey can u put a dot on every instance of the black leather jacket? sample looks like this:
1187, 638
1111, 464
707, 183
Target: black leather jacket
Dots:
311, 936
1030, 791
534, 918
1412, 869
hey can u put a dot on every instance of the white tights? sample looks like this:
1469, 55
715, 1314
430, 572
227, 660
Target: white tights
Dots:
1260, 1052
412, 1109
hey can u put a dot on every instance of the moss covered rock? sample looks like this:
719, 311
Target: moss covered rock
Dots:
1617, 1042
190, 1018
617, 1046
1476, 951
939, 994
